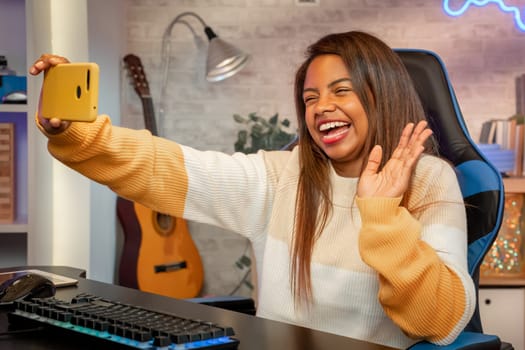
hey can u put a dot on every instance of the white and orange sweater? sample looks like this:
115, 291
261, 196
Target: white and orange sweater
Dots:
379, 272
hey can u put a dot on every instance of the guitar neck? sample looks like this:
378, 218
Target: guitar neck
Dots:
149, 114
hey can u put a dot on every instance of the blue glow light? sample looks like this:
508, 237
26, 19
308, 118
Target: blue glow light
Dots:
505, 8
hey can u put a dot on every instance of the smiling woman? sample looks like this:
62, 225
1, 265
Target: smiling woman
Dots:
336, 223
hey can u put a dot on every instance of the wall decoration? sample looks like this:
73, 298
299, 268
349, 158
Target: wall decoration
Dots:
514, 10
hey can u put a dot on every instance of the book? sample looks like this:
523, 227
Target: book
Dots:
518, 148
501, 136
485, 132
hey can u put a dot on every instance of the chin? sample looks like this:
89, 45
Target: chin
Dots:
343, 156
336, 152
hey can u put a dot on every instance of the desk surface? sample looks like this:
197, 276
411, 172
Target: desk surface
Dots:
254, 333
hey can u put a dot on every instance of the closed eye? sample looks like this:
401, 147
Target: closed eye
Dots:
309, 98
342, 91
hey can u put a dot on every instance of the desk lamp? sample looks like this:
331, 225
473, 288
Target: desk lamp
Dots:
224, 59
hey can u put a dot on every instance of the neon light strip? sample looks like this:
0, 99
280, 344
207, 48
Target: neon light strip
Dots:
512, 9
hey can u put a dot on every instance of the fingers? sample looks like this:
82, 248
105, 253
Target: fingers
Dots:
45, 62
418, 138
409, 148
412, 136
420, 134
374, 160
405, 136
411, 145
393, 179
412, 140
53, 126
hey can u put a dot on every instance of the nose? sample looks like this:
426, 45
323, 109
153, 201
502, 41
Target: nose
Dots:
324, 104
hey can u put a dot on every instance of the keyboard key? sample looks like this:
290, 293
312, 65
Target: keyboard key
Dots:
161, 341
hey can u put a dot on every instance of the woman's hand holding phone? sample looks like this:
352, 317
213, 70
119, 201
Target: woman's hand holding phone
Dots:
53, 125
69, 92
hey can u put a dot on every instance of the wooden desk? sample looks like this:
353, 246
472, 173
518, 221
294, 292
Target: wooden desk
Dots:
253, 332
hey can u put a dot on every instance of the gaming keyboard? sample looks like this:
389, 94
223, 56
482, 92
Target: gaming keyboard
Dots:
127, 325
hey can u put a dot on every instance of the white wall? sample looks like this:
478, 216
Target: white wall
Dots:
107, 45
59, 198
72, 220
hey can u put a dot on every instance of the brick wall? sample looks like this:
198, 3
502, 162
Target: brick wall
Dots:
483, 50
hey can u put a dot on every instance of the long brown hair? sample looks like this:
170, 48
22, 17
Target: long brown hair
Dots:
390, 101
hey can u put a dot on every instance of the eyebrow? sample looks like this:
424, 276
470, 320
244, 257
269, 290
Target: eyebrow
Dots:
335, 82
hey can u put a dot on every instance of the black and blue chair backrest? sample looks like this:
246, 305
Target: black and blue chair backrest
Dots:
481, 183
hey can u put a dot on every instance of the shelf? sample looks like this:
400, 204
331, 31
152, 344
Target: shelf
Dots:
13, 108
514, 184
13, 228
515, 280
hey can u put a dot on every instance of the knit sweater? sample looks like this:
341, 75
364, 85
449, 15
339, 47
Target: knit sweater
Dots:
380, 272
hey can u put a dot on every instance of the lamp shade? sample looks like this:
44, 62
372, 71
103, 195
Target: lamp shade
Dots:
224, 60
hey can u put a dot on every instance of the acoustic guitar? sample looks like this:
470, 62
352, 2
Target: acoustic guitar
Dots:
158, 255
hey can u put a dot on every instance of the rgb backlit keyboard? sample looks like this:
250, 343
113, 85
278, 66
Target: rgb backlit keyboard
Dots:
124, 324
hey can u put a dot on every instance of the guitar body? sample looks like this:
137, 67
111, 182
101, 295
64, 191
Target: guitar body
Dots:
158, 255
165, 245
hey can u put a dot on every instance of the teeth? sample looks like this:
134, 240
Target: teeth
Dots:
331, 125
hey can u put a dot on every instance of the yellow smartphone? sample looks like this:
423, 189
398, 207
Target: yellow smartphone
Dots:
70, 92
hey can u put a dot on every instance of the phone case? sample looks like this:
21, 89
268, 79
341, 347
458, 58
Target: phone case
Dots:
70, 92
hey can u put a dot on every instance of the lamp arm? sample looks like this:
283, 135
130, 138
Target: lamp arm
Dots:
165, 56
167, 32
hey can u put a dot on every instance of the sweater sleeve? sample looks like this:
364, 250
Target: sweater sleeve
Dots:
133, 163
420, 255
229, 191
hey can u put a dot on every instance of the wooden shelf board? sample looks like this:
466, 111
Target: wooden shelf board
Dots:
514, 184
514, 280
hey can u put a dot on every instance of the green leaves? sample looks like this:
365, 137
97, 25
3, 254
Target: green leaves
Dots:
263, 134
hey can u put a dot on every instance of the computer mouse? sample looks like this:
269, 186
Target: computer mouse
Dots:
15, 97
26, 286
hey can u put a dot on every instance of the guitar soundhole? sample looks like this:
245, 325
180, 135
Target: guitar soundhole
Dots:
165, 223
